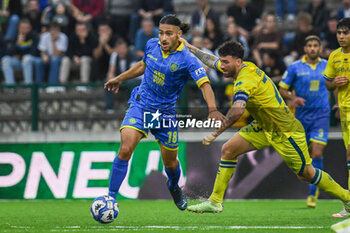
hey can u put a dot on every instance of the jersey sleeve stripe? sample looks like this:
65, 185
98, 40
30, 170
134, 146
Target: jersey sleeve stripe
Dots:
218, 65
329, 79
143, 63
284, 85
202, 80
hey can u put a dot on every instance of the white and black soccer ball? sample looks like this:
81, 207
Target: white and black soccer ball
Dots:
104, 209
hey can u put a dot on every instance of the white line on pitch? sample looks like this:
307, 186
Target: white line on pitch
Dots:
136, 228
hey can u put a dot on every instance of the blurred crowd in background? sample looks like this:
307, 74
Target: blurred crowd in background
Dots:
85, 41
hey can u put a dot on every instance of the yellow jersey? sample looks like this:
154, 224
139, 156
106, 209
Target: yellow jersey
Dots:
265, 103
339, 65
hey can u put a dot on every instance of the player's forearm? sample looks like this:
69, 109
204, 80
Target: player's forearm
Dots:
330, 85
208, 96
286, 94
135, 71
233, 115
206, 58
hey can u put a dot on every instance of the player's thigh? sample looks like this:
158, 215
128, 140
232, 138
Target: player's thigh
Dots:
316, 149
345, 126
236, 146
319, 130
167, 136
255, 135
129, 140
134, 119
294, 151
132, 131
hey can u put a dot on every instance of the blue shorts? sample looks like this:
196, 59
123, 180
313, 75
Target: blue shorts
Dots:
141, 119
316, 130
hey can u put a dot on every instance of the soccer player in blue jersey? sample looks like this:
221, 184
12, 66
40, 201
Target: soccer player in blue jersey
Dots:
166, 65
305, 76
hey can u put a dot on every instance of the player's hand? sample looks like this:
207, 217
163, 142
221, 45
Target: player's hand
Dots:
188, 45
113, 84
208, 139
341, 81
217, 116
298, 102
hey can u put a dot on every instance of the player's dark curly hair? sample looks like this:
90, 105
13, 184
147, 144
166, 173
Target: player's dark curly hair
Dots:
231, 48
344, 23
173, 20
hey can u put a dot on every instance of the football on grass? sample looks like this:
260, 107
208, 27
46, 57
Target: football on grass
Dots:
104, 209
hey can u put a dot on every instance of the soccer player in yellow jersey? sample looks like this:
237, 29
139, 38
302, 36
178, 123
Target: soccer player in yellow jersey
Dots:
337, 74
274, 125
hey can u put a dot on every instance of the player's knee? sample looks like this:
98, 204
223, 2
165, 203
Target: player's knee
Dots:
308, 174
169, 164
316, 153
228, 152
125, 152
304, 177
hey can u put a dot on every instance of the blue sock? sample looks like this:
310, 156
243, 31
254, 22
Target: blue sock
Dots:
173, 177
317, 163
119, 169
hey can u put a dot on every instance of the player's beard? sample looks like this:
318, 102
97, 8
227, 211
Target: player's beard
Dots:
171, 45
313, 56
231, 73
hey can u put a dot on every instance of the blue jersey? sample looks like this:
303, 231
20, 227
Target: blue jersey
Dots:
165, 75
308, 82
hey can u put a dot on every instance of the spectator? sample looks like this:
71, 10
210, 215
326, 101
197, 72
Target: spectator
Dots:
233, 34
198, 42
52, 45
244, 15
154, 9
199, 17
19, 52
121, 60
213, 31
146, 32
102, 51
330, 37
79, 55
59, 14
273, 66
344, 11
304, 22
33, 13
291, 9
117, 14
319, 13
208, 44
268, 39
86, 10
11, 13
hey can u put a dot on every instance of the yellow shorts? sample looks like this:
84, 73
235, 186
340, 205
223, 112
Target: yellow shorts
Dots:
345, 125
294, 150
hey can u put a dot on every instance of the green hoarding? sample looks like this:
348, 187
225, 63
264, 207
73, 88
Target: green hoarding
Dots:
75, 170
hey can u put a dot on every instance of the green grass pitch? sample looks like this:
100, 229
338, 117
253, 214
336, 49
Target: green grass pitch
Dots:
258, 216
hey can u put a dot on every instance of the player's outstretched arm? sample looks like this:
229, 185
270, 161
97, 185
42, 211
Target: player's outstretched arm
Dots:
208, 59
235, 112
209, 97
135, 71
296, 101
